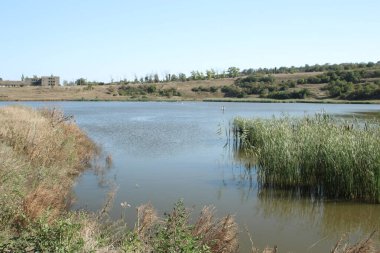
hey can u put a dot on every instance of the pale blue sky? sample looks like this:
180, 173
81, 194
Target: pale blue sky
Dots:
100, 40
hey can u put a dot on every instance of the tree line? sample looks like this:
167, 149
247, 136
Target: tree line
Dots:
231, 72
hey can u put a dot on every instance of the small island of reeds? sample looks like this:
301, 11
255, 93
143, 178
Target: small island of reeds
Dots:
322, 155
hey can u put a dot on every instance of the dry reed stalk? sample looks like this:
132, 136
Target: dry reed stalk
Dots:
364, 246
270, 250
107, 204
109, 161
146, 219
220, 235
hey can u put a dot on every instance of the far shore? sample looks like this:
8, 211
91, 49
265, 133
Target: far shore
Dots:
287, 89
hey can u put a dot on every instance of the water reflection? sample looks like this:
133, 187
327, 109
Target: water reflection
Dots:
331, 218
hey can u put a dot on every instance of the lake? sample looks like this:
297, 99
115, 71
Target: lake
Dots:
163, 152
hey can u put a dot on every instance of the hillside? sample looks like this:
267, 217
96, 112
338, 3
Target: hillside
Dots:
338, 84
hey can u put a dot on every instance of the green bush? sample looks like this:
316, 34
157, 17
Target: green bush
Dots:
40, 236
233, 91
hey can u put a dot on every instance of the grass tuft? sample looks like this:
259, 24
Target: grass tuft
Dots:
322, 154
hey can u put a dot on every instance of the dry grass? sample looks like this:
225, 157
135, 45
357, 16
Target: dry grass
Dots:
146, 219
219, 234
48, 149
364, 246
102, 92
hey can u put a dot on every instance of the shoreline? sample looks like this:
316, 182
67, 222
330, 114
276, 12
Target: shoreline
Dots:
212, 100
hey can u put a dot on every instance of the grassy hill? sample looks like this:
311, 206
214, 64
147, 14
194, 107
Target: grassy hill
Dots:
328, 83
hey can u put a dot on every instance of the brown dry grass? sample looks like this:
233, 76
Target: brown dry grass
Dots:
219, 234
146, 218
364, 246
102, 92
49, 149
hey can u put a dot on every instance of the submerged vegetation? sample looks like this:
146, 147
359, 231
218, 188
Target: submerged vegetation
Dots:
322, 155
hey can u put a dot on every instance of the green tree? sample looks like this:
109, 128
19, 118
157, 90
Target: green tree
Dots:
136, 80
174, 78
81, 81
182, 77
156, 78
167, 77
210, 74
233, 72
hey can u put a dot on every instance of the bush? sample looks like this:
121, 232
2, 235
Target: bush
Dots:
41, 236
301, 94
233, 91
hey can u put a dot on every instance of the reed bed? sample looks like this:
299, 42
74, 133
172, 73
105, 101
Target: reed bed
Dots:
325, 155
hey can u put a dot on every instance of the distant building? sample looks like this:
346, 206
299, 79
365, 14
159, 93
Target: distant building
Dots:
34, 81
49, 80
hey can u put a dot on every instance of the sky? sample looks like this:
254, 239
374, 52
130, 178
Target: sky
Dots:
106, 40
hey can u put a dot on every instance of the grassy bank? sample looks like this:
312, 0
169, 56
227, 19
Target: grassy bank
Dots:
41, 153
321, 154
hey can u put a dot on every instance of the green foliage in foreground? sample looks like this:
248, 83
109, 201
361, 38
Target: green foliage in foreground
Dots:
175, 235
83, 232
335, 159
62, 235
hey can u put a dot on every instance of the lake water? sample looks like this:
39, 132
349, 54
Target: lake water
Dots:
163, 152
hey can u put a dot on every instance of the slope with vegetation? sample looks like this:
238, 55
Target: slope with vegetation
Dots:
317, 83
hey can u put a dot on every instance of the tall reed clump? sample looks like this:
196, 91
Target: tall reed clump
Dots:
331, 157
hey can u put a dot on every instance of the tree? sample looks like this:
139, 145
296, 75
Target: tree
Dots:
210, 74
182, 77
174, 78
81, 81
167, 77
194, 75
233, 72
156, 78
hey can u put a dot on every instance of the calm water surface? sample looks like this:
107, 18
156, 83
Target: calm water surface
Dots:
163, 152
